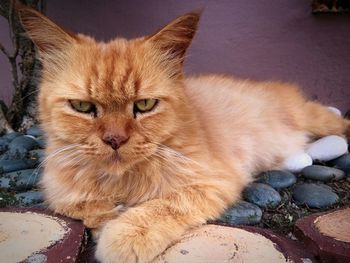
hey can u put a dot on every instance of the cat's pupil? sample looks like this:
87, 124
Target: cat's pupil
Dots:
145, 105
83, 106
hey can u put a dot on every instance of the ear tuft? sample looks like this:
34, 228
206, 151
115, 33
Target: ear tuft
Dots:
46, 35
175, 38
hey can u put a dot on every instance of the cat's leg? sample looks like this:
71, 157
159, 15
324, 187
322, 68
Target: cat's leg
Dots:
320, 121
143, 232
93, 213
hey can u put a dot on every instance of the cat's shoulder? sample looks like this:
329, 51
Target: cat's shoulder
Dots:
223, 81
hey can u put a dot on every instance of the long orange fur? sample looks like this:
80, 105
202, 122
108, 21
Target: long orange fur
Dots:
184, 162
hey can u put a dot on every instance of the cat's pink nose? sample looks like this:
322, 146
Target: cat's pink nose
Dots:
115, 141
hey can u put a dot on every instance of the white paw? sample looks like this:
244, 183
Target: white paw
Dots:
297, 162
126, 243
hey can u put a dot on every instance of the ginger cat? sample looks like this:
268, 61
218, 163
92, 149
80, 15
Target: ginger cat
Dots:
143, 154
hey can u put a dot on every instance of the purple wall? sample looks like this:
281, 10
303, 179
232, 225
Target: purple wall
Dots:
262, 39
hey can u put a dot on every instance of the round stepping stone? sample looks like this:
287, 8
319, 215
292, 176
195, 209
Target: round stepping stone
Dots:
242, 213
262, 195
37, 236
34, 131
214, 243
322, 173
7, 166
277, 178
315, 196
342, 163
327, 148
326, 235
29, 198
297, 162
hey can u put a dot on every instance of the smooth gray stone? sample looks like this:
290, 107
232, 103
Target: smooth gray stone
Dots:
262, 195
37, 154
7, 199
29, 198
4, 156
322, 173
277, 178
35, 131
342, 163
4, 144
314, 195
41, 142
10, 136
7, 166
20, 180
242, 213
20, 146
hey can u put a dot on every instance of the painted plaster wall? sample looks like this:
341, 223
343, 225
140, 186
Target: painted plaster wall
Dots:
261, 39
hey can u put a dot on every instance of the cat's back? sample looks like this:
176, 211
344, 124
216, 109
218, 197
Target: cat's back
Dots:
218, 96
243, 117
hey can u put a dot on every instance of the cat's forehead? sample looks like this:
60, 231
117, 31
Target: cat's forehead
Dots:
110, 73
113, 71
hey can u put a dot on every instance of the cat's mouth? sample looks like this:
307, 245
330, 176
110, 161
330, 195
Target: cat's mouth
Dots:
116, 157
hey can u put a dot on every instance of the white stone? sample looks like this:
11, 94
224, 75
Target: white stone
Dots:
297, 162
327, 148
335, 110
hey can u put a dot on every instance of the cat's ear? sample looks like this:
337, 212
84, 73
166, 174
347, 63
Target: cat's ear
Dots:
175, 38
46, 35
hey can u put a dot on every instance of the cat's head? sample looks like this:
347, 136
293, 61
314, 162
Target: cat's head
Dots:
111, 104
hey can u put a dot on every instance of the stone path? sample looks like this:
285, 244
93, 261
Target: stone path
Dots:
308, 182
20, 157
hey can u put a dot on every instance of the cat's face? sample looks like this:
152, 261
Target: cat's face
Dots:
111, 104
113, 101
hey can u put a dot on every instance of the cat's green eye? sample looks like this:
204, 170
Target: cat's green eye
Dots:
83, 106
144, 105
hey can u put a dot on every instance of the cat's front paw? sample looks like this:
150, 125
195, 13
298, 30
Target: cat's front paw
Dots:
97, 220
124, 242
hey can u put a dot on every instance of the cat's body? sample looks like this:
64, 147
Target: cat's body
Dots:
145, 177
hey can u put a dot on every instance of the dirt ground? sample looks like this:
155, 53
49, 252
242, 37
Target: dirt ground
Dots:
282, 218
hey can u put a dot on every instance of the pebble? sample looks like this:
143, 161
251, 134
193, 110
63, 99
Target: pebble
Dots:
34, 131
314, 195
5, 156
242, 213
335, 110
4, 144
10, 136
342, 163
297, 162
327, 148
41, 142
37, 258
29, 198
262, 195
7, 166
20, 180
37, 154
20, 146
277, 178
322, 173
